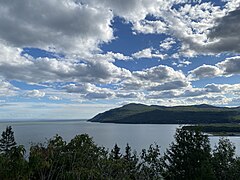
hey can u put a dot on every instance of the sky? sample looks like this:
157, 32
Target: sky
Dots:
71, 59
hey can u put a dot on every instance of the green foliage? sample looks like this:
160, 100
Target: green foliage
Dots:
217, 129
223, 159
13, 165
139, 113
189, 157
7, 141
47, 162
151, 163
115, 153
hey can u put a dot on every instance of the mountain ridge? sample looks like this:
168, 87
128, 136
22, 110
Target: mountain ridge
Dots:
135, 113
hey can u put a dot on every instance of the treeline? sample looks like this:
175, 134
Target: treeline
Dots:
216, 128
189, 157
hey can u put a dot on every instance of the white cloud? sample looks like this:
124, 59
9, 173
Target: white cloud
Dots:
7, 89
205, 71
159, 73
181, 63
133, 10
13, 64
148, 53
233, 89
118, 56
213, 88
170, 85
167, 43
55, 98
130, 95
89, 24
90, 91
145, 53
109, 56
149, 27
77, 29
230, 65
156, 78
225, 34
62, 26
35, 93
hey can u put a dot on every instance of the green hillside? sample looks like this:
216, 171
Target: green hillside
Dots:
143, 114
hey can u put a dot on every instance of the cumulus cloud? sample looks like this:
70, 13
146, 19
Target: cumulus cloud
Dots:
232, 89
218, 100
205, 71
167, 43
170, 85
226, 33
129, 95
14, 66
210, 90
7, 89
158, 78
117, 56
89, 91
181, 63
109, 56
76, 29
159, 73
62, 26
55, 98
81, 26
35, 93
148, 53
207, 28
202, 28
149, 27
133, 10
163, 95
230, 65
213, 88
145, 53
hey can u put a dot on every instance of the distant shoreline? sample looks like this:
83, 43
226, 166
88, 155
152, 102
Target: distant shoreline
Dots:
40, 120
229, 129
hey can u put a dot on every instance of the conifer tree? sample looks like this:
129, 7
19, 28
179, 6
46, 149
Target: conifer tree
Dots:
7, 141
189, 157
115, 153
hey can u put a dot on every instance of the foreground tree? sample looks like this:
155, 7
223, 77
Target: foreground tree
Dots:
84, 159
7, 141
47, 161
13, 165
151, 163
224, 160
188, 157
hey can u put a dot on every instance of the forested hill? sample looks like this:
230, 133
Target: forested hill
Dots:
144, 114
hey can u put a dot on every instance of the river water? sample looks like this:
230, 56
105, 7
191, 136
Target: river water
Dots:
138, 136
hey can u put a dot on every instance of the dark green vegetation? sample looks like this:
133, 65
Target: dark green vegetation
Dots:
217, 129
188, 158
197, 114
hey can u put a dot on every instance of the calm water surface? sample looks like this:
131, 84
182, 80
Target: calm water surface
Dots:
139, 136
